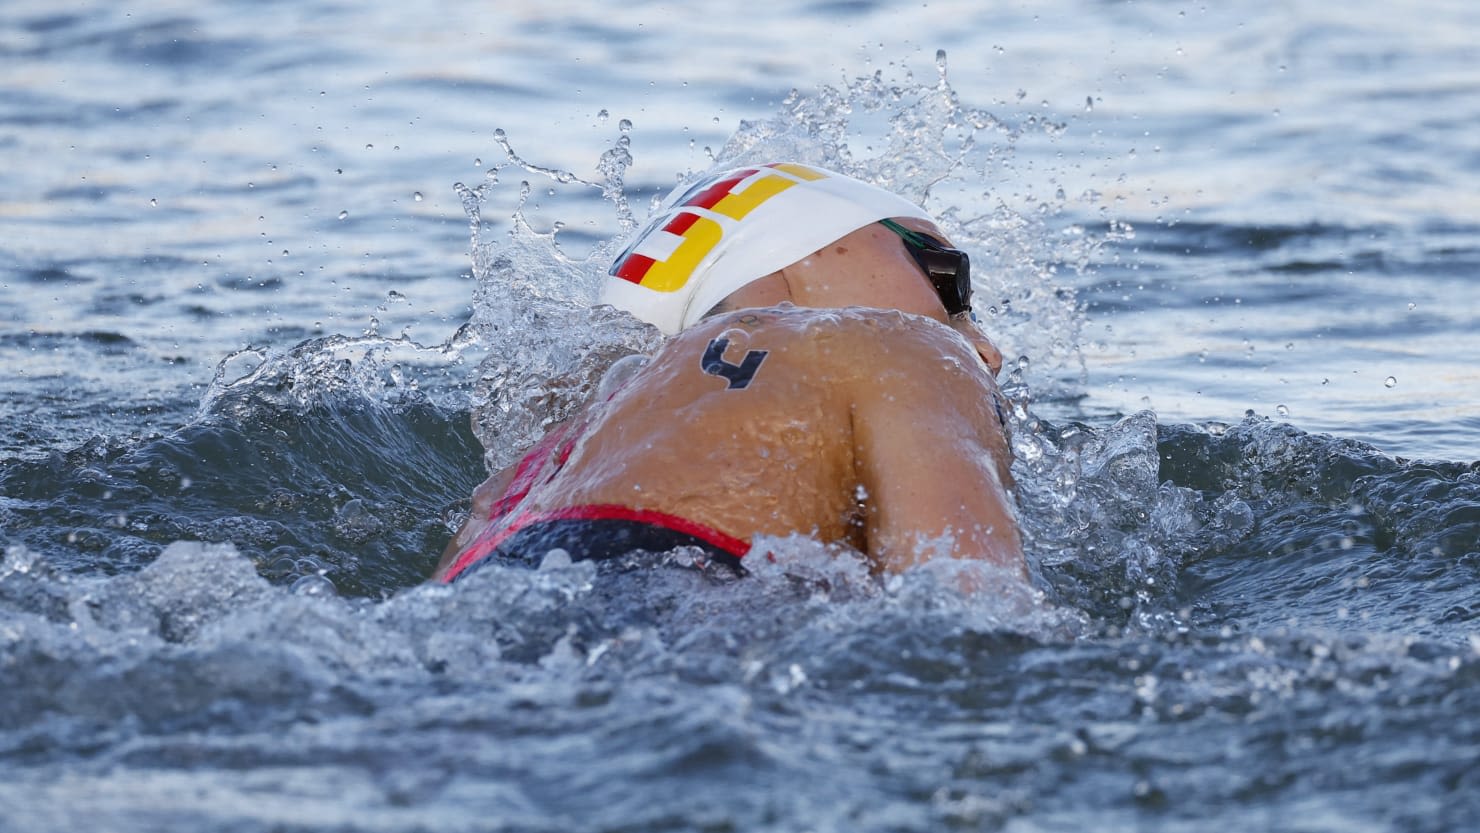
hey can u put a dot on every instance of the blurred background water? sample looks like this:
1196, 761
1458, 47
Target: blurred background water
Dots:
241, 304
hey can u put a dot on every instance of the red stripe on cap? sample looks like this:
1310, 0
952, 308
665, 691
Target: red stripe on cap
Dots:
634, 267
681, 223
719, 190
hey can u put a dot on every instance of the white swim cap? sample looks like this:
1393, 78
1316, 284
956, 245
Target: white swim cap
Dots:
733, 227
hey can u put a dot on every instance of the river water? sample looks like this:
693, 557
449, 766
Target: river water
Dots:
281, 280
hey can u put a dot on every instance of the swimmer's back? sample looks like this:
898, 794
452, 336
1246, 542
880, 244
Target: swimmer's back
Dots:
843, 424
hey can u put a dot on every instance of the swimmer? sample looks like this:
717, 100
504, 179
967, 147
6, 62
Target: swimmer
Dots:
824, 377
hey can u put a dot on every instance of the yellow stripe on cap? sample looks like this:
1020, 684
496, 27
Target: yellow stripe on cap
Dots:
671, 274
802, 171
736, 205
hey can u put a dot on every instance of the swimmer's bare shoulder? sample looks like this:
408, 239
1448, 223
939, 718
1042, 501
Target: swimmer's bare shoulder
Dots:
927, 445
852, 344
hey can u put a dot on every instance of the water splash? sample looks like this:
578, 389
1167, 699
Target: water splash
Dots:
923, 142
1108, 534
535, 302
536, 312
335, 369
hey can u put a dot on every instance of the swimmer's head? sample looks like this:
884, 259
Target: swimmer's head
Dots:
879, 266
734, 227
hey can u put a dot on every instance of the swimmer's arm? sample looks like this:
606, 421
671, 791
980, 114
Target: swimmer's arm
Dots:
487, 492
933, 461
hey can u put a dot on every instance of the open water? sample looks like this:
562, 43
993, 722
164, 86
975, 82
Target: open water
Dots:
274, 292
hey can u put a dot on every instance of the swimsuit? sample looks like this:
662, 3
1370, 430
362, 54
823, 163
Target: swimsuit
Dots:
596, 532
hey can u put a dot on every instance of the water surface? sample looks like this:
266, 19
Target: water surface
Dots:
258, 360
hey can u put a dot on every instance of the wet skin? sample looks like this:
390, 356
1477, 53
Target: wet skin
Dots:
869, 427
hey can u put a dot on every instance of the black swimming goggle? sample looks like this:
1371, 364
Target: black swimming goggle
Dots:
949, 270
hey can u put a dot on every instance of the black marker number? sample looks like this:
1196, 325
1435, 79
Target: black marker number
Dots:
740, 374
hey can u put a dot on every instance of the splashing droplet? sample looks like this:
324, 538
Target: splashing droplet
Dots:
153, 201
1390, 381
417, 196
314, 585
344, 215
1282, 410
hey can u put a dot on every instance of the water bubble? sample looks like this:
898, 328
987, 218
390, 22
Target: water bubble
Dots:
1282, 410
602, 115
789, 681
153, 201
369, 147
478, 162
555, 559
417, 196
1089, 104
344, 215
1390, 381
314, 585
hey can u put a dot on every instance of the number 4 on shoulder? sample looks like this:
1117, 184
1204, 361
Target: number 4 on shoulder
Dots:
739, 375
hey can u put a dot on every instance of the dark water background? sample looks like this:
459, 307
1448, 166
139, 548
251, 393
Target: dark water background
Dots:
244, 330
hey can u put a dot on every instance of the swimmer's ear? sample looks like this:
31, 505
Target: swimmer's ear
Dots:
978, 340
991, 355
